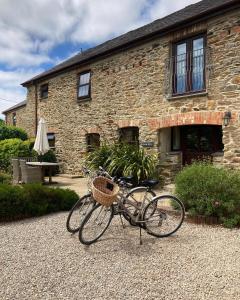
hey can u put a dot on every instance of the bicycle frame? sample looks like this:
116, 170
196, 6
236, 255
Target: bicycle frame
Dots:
120, 209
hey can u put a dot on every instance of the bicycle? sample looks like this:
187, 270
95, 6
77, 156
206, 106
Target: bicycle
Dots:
161, 217
86, 203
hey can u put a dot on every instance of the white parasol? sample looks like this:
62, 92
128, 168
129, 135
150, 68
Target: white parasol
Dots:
41, 145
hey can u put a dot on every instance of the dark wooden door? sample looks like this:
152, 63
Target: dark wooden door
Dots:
199, 142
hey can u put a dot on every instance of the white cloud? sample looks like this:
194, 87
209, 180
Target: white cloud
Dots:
30, 29
161, 8
10, 90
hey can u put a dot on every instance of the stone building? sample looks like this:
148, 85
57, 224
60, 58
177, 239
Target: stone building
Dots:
16, 116
172, 85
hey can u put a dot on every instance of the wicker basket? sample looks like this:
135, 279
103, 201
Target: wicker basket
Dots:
104, 190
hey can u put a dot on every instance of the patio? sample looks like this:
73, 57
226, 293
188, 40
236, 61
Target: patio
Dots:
79, 185
41, 260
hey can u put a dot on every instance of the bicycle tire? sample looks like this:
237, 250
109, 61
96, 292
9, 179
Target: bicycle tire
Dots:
80, 214
164, 211
90, 217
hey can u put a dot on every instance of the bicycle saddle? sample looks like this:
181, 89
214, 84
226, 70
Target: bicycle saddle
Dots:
150, 183
127, 178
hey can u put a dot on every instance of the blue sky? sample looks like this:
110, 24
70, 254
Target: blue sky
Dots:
38, 34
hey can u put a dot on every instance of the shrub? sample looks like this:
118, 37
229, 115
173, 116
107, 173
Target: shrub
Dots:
210, 191
5, 178
124, 160
33, 200
12, 132
50, 156
100, 157
14, 148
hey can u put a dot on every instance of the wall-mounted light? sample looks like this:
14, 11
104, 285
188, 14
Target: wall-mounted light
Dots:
226, 118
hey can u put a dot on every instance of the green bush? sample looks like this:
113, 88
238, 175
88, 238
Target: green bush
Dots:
14, 148
124, 160
33, 200
5, 178
50, 156
12, 132
210, 191
100, 157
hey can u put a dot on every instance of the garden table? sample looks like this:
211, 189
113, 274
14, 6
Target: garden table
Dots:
43, 165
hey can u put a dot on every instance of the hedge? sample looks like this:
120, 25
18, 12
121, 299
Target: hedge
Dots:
18, 202
210, 191
14, 148
11, 132
5, 178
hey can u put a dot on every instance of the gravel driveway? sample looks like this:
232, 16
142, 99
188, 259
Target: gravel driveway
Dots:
41, 260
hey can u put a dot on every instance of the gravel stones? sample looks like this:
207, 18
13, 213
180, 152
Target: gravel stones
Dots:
39, 259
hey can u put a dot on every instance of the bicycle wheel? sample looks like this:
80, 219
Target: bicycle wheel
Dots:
163, 216
133, 201
78, 212
95, 224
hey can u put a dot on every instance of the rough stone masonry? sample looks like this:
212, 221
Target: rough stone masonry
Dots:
132, 88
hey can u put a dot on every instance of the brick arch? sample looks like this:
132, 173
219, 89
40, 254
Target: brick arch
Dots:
192, 118
128, 123
94, 129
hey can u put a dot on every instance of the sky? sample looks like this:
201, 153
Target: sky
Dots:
38, 34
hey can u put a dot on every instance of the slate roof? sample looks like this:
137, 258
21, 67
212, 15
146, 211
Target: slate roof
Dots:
20, 104
160, 26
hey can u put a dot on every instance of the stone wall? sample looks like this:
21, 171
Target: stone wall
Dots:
25, 115
131, 88
20, 117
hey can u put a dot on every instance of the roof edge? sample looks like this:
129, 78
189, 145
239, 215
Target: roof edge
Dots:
15, 107
198, 18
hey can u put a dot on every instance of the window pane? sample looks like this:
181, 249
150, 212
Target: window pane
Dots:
84, 78
129, 135
51, 140
198, 65
175, 138
83, 91
93, 141
50, 136
14, 119
181, 68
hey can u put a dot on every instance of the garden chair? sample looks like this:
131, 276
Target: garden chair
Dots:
16, 172
30, 174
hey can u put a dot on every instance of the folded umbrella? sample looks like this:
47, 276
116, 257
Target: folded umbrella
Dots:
41, 145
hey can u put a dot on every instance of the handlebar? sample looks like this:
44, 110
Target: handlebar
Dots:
121, 181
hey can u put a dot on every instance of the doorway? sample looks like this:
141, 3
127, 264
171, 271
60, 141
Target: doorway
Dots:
197, 142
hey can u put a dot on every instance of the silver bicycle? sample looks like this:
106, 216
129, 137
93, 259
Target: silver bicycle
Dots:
137, 195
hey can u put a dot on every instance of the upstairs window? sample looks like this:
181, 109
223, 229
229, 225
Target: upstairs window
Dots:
93, 141
14, 119
189, 66
51, 140
84, 87
129, 135
44, 91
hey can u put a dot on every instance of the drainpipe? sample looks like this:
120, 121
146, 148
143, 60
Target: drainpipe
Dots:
36, 109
